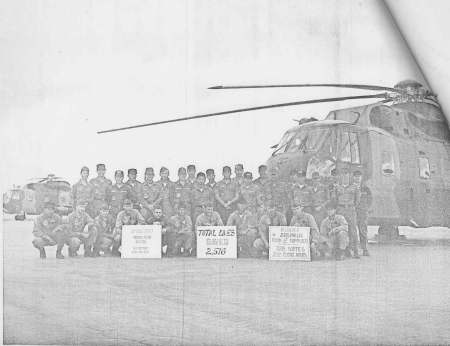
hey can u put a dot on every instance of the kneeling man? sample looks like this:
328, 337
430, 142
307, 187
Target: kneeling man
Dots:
334, 233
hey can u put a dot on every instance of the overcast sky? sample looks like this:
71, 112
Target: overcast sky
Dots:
71, 68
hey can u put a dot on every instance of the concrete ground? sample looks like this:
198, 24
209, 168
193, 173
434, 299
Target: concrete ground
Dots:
399, 295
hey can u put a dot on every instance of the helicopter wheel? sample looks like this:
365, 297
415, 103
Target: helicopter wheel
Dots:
20, 217
388, 232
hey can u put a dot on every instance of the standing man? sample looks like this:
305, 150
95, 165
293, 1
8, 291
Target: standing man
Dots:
250, 191
263, 177
46, 231
150, 196
104, 224
191, 171
238, 174
271, 218
362, 210
211, 176
135, 188
348, 196
166, 188
119, 192
300, 193
319, 198
201, 195
302, 219
183, 191
128, 216
102, 189
83, 191
179, 233
226, 193
278, 192
334, 233
80, 231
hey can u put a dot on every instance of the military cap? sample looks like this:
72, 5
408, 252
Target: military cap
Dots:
181, 170
330, 205
132, 171
104, 206
100, 166
261, 167
149, 170
239, 165
127, 202
49, 205
163, 169
357, 173
84, 168
118, 172
315, 175
210, 171
201, 174
248, 175
191, 167
226, 168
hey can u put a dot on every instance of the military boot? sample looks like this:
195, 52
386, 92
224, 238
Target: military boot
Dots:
42, 253
355, 254
339, 254
59, 255
87, 251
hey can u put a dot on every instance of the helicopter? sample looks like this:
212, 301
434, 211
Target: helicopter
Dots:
401, 144
30, 198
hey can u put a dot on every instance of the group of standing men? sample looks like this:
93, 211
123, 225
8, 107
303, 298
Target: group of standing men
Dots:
339, 205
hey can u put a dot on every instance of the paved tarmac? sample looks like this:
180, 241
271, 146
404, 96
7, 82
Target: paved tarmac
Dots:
399, 295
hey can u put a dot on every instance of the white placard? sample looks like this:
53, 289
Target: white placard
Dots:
216, 242
141, 241
289, 243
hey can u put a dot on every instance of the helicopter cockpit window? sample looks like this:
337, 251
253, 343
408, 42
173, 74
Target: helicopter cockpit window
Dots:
354, 148
424, 168
345, 155
383, 117
308, 140
281, 147
387, 163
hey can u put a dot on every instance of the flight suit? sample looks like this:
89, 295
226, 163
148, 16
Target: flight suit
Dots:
82, 193
301, 195
277, 219
150, 197
104, 226
183, 194
348, 197
319, 197
118, 194
179, 235
167, 195
307, 220
362, 214
247, 230
101, 193
124, 218
226, 191
334, 234
80, 231
46, 231
250, 193
201, 195
135, 193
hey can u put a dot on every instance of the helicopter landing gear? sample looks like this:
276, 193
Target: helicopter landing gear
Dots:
388, 232
20, 217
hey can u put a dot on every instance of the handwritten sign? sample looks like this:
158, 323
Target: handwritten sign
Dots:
141, 241
216, 242
289, 243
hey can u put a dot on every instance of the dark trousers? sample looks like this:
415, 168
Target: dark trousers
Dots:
361, 219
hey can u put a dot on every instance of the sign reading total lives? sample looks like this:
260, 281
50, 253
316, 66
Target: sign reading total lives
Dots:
289, 243
141, 241
216, 242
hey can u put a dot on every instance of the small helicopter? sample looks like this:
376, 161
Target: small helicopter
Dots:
401, 144
31, 198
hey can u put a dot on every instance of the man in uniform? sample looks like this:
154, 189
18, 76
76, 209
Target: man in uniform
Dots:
150, 196
334, 233
119, 192
348, 196
166, 188
208, 217
128, 216
226, 193
238, 174
46, 231
102, 189
319, 198
180, 235
183, 191
104, 224
211, 176
303, 219
246, 223
362, 210
263, 178
250, 191
278, 191
300, 193
191, 171
83, 191
332, 183
271, 218
135, 188
81, 231
201, 195
159, 219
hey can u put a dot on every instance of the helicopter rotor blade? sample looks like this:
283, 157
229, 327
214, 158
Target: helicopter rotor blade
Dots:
349, 86
277, 105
